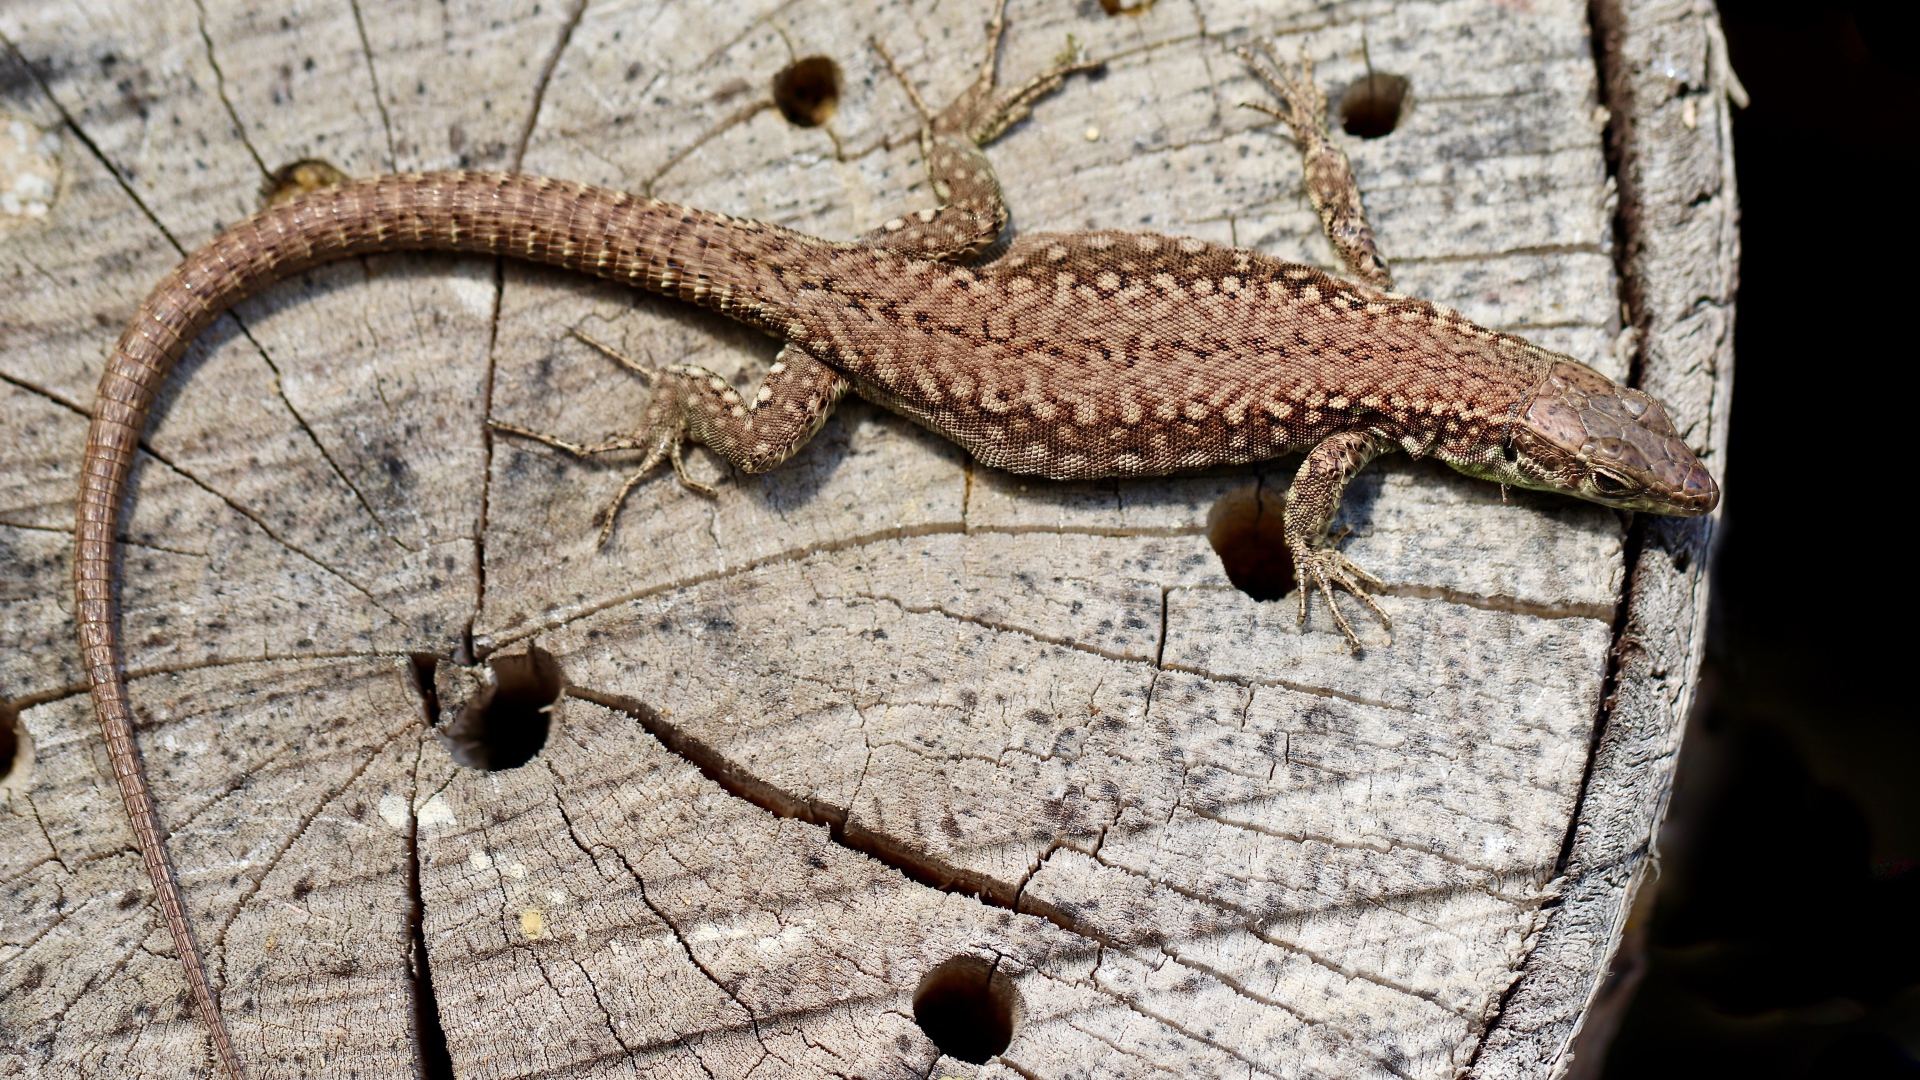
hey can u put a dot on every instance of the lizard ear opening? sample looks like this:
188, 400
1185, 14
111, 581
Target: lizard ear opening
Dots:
1247, 530
507, 712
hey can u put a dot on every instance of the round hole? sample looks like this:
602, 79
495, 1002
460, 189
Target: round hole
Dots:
1372, 107
504, 723
297, 178
808, 90
967, 1009
16, 749
1246, 529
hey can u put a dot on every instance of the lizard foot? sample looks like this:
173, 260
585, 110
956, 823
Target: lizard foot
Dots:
662, 436
1324, 568
980, 115
1303, 108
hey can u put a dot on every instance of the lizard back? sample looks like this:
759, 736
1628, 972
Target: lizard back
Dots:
1111, 353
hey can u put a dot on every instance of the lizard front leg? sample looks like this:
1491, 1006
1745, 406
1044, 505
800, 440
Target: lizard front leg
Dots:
1330, 183
1311, 504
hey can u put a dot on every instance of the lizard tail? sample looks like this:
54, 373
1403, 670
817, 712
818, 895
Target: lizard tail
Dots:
655, 245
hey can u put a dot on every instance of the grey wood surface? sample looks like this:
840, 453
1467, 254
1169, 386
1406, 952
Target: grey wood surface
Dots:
881, 708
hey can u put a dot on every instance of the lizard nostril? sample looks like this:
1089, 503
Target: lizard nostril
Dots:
808, 90
967, 1009
507, 713
1246, 529
1374, 105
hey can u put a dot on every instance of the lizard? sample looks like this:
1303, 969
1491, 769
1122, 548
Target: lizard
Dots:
1068, 356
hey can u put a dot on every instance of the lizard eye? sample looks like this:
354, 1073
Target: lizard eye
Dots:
1512, 454
1607, 483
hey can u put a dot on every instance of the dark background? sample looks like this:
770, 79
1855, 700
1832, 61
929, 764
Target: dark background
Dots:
1783, 938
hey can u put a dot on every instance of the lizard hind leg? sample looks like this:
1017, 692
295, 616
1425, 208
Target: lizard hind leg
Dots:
693, 404
973, 210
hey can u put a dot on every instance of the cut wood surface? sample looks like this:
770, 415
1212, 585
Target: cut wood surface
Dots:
882, 713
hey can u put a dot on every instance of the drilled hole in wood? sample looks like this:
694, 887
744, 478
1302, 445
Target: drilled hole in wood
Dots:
1126, 7
1246, 530
808, 90
506, 720
1372, 107
16, 750
967, 1009
296, 178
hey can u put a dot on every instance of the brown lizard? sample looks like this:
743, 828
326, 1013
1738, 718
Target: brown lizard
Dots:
1070, 356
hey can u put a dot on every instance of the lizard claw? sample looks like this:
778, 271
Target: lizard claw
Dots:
1324, 568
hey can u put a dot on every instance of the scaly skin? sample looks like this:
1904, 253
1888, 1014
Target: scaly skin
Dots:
1096, 354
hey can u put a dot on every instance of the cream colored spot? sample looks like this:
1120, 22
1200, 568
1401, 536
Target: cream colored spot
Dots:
717, 383
1203, 286
1297, 273
1020, 284
896, 225
738, 410
1376, 309
1229, 284
778, 367
1191, 246
1146, 243
1131, 412
1166, 283
1311, 294
1339, 402
1056, 253
927, 215
1085, 413
766, 392
1099, 242
1166, 410
1196, 410
1445, 312
1045, 410
1108, 280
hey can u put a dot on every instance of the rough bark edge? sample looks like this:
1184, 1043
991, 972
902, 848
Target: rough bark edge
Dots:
1660, 633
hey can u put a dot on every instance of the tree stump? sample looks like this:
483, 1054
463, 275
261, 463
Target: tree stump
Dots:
883, 764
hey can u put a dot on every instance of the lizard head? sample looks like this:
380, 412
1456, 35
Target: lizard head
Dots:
1582, 434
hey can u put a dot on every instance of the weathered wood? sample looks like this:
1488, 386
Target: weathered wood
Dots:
878, 709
